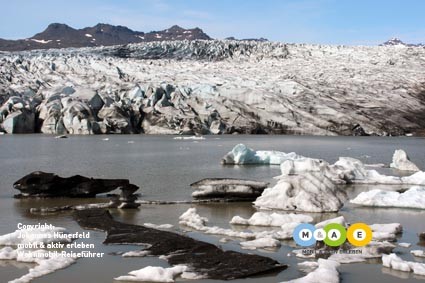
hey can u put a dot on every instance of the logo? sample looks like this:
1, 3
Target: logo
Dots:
333, 234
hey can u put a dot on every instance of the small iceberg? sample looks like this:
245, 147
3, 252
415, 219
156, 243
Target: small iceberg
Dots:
309, 192
193, 220
229, 188
61, 137
274, 219
260, 243
402, 162
326, 271
154, 274
190, 138
412, 198
241, 154
395, 262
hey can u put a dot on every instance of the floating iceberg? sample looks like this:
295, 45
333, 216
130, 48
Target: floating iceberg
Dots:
326, 271
339, 220
394, 262
348, 170
260, 243
386, 231
190, 138
161, 226
240, 189
412, 198
402, 162
241, 154
309, 192
274, 219
418, 253
193, 220
154, 274
141, 253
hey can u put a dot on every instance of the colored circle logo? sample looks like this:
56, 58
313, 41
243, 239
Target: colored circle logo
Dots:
359, 234
304, 235
335, 235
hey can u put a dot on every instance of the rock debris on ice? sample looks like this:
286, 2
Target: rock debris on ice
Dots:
228, 188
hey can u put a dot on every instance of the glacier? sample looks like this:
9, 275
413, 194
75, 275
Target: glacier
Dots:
214, 87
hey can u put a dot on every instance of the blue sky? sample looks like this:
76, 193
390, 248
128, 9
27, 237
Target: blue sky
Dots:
301, 21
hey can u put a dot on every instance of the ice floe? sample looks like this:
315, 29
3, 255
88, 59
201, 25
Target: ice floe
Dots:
17, 247
388, 231
228, 188
309, 192
418, 253
412, 198
154, 274
339, 220
141, 253
190, 138
395, 262
273, 219
161, 226
326, 271
402, 162
241, 154
348, 170
193, 220
260, 243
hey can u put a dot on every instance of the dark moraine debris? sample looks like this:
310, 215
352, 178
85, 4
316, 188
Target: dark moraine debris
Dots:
228, 188
204, 258
422, 239
41, 184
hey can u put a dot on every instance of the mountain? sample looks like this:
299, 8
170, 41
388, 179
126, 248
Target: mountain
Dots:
397, 42
261, 39
61, 36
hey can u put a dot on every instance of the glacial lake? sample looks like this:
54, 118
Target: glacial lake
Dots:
164, 168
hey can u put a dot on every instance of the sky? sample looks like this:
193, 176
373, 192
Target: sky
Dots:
354, 22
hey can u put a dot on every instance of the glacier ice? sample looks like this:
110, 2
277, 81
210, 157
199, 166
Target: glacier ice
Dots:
412, 198
402, 162
241, 154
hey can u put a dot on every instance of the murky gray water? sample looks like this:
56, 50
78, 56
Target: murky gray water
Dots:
164, 168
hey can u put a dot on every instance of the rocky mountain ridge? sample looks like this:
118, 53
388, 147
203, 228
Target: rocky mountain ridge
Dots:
398, 42
58, 35
214, 87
